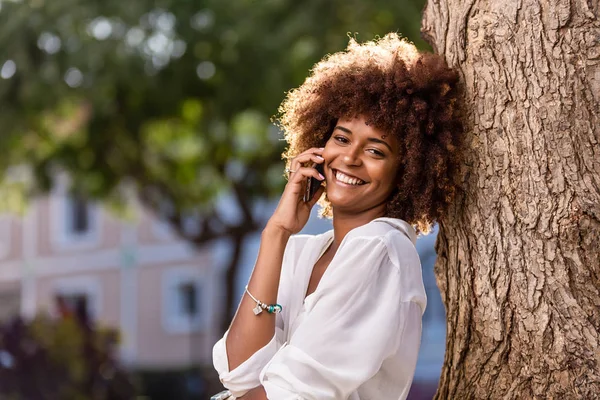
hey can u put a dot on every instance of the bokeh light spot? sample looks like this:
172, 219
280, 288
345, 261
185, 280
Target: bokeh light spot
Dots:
134, 37
8, 69
49, 42
100, 28
205, 70
202, 20
73, 77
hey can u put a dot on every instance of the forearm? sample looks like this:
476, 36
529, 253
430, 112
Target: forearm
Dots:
255, 394
248, 332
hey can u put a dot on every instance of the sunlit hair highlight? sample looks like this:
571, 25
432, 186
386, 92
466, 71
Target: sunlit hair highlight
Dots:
399, 90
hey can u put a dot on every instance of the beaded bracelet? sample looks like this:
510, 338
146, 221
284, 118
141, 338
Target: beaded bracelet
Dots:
260, 306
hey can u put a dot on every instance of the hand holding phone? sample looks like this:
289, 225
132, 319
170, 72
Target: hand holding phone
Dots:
312, 184
292, 212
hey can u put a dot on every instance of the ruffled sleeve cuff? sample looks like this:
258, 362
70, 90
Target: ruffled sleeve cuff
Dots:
245, 376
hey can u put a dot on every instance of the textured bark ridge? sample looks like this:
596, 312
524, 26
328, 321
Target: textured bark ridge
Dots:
519, 255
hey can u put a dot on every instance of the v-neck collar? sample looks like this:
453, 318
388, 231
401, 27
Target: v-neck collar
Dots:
310, 253
324, 248
313, 250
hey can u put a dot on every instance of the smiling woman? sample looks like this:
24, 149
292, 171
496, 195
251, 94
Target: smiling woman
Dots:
342, 310
360, 168
410, 96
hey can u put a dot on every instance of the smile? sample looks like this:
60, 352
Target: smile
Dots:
348, 180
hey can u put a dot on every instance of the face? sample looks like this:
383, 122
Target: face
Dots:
360, 167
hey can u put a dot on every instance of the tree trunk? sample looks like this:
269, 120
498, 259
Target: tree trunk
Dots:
519, 254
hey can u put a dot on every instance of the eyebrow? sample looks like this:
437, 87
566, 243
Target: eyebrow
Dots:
371, 139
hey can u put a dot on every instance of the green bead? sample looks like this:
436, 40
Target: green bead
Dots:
273, 308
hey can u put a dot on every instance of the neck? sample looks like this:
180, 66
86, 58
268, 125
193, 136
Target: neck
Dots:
344, 223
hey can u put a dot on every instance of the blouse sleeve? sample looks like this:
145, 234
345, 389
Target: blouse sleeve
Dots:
246, 376
351, 329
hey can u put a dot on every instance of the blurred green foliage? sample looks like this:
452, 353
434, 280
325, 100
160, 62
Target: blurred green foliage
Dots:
168, 101
174, 94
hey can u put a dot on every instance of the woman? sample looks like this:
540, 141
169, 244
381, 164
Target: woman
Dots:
338, 315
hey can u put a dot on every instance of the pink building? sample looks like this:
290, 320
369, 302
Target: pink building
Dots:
133, 275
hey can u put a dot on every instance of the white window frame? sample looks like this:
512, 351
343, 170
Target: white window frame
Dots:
89, 286
61, 215
173, 322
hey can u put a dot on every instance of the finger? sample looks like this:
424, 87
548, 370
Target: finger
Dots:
308, 160
314, 154
305, 172
313, 150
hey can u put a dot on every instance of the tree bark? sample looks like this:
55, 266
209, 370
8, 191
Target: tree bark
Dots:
519, 254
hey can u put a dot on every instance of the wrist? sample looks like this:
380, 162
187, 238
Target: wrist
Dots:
275, 231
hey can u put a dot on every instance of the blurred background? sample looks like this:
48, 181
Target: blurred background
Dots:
139, 165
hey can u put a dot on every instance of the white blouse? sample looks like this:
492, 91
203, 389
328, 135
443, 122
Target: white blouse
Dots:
357, 336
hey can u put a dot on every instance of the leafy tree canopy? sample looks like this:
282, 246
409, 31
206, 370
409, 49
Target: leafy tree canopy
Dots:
173, 97
167, 101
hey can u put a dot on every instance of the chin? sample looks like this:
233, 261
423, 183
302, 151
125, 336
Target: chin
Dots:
340, 201
347, 206
350, 206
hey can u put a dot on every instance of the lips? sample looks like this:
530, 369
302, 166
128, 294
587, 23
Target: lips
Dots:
347, 178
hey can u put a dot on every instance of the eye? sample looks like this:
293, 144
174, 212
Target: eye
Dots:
376, 152
341, 139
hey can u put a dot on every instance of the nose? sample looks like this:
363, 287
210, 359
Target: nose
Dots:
352, 157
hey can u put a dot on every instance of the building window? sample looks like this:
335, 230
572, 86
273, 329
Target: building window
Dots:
73, 304
78, 297
184, 308
188, 299
75, 221
80, 210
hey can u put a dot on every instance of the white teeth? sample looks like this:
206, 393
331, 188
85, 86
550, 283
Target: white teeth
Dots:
346, 179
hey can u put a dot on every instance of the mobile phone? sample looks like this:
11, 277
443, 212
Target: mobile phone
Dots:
313, 184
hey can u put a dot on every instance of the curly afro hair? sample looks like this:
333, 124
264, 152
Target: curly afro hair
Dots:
399, 90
